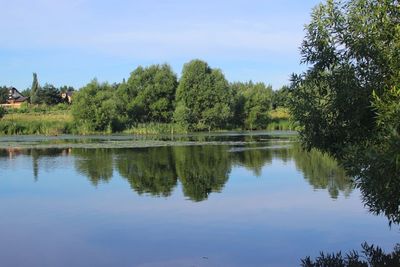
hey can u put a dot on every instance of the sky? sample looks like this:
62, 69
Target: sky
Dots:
70, 42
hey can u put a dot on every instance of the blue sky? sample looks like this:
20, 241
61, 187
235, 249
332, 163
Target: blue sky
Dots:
71, 42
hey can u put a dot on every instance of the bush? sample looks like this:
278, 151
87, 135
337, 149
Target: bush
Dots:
2, 112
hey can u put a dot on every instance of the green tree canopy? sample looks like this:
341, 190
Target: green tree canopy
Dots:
3, 94
49, 95
35, 88
149, 94
204, 99
281, 97
252, 103
353, 49
94, 107
2, 112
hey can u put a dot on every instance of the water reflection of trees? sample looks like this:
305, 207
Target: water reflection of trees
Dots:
149, 170
252, 157
96, 164
201, 170
36, 155
205, 169
322, 171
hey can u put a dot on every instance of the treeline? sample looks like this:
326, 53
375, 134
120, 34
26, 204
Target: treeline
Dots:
202, 99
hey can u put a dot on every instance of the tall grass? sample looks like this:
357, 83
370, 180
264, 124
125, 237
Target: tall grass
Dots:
156, 128
36, 123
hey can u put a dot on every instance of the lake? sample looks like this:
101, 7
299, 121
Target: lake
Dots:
234, 199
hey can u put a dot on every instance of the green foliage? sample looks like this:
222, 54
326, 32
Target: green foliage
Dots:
352, 48
376, 163
65, 88
49, 95
2, 112
281, 97
26, 92
3, 94
371, 256
258, 99
204, 99
348, 101
149, 94
34, 92
35, 127
94, 108
252, 105
152, 101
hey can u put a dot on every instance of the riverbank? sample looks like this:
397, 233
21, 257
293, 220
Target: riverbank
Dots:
61, 122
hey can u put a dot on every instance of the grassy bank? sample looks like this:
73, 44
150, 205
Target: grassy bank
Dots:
57, 121
54, 123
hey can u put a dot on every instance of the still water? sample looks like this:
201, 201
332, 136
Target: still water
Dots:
263, 202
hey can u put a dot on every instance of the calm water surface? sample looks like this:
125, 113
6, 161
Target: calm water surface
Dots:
262, 203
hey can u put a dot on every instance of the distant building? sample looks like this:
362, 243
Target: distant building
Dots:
67, 96
15, 98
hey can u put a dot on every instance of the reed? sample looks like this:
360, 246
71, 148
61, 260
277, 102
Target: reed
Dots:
156, 128
36, 123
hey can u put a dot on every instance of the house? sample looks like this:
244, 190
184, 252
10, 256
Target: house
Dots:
67, 96
15, 99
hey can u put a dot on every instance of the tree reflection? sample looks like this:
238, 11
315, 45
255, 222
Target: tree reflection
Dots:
202, 169
96, 164
322, 171
149, 170
36, 155
252, 157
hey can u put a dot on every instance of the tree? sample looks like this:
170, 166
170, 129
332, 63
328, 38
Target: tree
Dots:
252, 104
65, 88
94, 108
258, 99
35, 88
352, 48
204, 99
3, 94
375, 164
49, 95
280, 98
2, 112
149, 94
